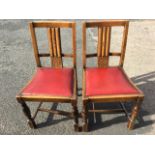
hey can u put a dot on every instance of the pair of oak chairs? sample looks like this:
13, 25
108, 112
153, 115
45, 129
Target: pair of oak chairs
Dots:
101, 84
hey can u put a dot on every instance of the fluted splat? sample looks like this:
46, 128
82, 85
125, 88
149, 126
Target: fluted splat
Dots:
55, 47
104, 34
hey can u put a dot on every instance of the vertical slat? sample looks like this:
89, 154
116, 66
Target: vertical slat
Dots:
74, 44
104, 46
50, 44
54, 42
108, 38
124, 42
58, 42
84, 44
104, 41
34, 44
99, 48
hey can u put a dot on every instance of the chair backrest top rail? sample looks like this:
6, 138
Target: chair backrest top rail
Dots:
54, 24
106, 23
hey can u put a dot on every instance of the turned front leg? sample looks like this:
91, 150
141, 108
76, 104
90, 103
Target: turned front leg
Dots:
134, 113
27, 113
75, 113
85, 116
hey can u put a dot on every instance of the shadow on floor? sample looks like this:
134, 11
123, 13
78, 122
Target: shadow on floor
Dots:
50, 121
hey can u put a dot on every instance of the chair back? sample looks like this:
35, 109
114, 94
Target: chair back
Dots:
104, 41
54, 42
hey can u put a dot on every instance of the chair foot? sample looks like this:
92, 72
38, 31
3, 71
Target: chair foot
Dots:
130, 125
76, 128
32, 124
85, 128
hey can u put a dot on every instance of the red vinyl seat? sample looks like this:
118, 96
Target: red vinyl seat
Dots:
107, 81
51, 82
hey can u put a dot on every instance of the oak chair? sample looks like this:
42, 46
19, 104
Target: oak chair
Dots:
55, 83
104, 83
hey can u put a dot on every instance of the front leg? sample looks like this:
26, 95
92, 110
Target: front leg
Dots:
134, 113
85, 116
27, 113
76, 114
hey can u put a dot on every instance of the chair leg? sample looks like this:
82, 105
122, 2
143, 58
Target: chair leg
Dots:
75, 113
85, 116
134, 113
27, 113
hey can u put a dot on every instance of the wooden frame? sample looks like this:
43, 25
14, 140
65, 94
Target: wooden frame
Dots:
55, 53
103, 53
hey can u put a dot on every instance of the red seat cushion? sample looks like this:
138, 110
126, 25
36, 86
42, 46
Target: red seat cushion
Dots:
107, 81
51, 82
